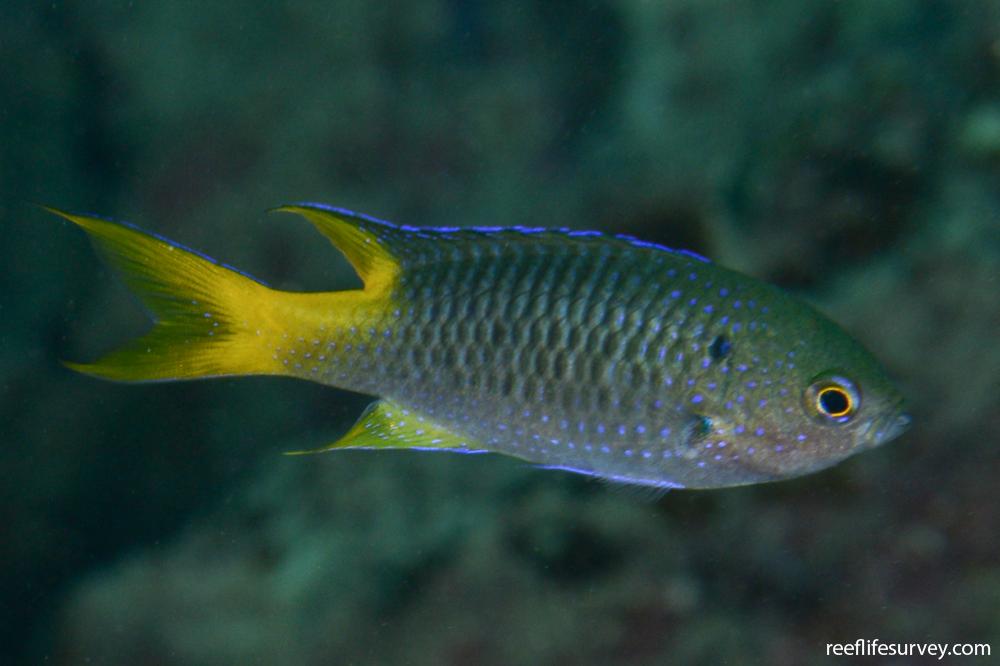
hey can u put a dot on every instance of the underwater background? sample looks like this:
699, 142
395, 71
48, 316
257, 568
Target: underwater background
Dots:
847, 151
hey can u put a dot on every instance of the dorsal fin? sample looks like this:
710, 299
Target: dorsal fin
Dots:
359, 237
379, 251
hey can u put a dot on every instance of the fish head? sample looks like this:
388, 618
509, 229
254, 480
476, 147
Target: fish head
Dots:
796, 396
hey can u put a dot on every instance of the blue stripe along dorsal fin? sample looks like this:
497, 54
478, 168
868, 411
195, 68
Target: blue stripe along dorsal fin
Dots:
380, 250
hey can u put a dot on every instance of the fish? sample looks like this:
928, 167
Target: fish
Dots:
584, 351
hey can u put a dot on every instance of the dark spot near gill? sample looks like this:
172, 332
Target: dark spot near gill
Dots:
698, 427
720, 348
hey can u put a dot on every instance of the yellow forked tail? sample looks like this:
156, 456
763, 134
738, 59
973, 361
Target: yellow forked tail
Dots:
209, 320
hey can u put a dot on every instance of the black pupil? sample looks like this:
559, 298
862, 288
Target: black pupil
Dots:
719, 348
833, 401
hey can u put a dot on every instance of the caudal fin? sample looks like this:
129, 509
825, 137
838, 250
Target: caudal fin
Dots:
209, 320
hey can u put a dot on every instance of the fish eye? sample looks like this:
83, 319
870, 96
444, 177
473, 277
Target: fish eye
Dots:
833, 401
832, 398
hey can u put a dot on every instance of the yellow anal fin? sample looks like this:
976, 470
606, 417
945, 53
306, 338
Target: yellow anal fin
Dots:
385, 425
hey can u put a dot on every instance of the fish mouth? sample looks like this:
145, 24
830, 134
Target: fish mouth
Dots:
891, 427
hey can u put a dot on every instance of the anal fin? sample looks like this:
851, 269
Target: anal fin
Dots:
386, 425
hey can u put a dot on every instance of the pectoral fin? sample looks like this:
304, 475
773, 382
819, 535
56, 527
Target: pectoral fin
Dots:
385, 425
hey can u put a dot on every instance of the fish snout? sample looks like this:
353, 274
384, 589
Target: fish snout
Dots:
892, 427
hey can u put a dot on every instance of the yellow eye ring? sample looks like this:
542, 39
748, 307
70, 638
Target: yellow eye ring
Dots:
832, 397
834, 402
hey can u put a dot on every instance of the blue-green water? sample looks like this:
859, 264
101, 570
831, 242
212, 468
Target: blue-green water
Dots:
848, 151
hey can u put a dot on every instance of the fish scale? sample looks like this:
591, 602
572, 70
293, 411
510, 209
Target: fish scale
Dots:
581, 351
575, 294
